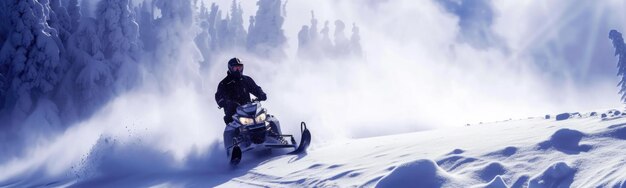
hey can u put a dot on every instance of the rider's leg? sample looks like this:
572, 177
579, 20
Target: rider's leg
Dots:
229, 134
229, 111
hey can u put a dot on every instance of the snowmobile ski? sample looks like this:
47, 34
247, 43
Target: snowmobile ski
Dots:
305, 140
235, 155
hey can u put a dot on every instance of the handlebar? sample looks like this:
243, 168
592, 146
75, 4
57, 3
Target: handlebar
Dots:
253, 101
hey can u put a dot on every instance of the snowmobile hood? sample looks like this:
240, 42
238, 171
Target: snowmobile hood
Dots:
250, 110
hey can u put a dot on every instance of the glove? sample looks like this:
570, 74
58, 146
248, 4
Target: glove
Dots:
259, 99
262, 98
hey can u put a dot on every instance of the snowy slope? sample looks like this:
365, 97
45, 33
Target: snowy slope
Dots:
578, 152
583, 151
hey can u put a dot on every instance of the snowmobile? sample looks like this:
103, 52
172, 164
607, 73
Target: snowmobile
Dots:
253, 128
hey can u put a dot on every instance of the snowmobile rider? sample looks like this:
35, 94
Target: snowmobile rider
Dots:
235, 90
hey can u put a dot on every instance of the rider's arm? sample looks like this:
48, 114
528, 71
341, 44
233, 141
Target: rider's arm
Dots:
220, 96
256, 90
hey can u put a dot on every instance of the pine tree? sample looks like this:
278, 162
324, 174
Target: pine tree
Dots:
29, 59
85, 8
89, 80
145, 20
119, 36
224, 35
236, 25
342, 44
267, 37
304, 42
60, 20
5, 27
315, 48
73, 10
325, 43
313, 30
620, 52
355, 41
250, 40
214, 16
203, 38
176, 53
117, 28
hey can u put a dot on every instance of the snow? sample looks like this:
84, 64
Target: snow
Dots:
67, 120
556, 175
496, 154
534, 152
419, 173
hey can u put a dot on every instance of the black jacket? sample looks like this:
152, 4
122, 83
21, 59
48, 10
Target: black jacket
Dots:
234, 90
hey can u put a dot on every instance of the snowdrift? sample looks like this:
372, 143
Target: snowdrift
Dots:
580, 151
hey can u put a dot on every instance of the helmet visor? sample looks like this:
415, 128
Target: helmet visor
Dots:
238, 68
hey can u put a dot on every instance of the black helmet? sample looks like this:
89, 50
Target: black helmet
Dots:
235, 66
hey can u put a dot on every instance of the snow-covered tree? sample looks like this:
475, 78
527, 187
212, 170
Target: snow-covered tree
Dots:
145, 20
89, 71
314, 35
250, 42
176, 53
60, 20
236, 25
310, 46
102, 52
206, 40
86, 8
304, 42
224, 35
220, 34
309, 43
5, 26
325, 42
620, 52
30, 57
73, 10
119, 36
203, 13
117, 28
203, 39
266, 37
284, 11
342, 44
355, 42
214, 16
